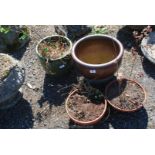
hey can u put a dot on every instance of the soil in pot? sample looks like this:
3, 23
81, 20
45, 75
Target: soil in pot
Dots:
53, 48
125, 94
86, 105
6, 65
97, 51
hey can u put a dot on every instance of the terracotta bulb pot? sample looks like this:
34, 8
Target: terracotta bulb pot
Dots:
91, 44
84, 123
111, 85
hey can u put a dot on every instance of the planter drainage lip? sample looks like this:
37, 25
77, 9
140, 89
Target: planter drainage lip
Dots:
84, 123
124, 110
144, 49
68, 52
114, 61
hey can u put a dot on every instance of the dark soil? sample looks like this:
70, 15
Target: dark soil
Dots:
82, 108
53, 48
125, 94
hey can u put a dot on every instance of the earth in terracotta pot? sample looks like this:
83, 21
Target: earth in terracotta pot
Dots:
97, 56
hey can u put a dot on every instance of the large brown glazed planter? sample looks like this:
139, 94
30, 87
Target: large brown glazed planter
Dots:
84, 123
98, 71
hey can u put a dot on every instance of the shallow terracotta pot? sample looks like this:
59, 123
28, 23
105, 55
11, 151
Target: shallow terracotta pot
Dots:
124, 110
98, 71
84, 123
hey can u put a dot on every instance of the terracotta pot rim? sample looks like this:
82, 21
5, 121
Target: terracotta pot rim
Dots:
85, 122
115, 61
67, 53
124, 110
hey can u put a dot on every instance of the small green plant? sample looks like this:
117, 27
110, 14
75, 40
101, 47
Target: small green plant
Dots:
46, 49
99, 30
4, 29
24, 35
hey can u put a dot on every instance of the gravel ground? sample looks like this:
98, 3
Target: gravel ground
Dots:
42, 105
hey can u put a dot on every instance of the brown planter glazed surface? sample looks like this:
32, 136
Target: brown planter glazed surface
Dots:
116, 96
80, 122
111, 53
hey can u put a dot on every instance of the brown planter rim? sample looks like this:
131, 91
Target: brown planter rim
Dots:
84, 123
123, 110
115, 61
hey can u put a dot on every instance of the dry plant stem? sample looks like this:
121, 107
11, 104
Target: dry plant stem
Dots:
68, 86
131, 101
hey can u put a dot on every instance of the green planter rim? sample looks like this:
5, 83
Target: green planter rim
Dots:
67, 52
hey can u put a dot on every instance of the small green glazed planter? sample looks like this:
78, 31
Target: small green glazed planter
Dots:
56, 67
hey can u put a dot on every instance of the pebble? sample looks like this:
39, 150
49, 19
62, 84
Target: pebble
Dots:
30, 86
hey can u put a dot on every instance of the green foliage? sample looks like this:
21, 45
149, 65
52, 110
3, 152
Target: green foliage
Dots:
23, 36
46, 49
4, 29
99, 30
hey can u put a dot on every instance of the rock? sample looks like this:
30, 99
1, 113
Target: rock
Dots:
30, 86
73, 32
